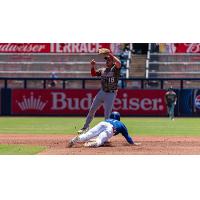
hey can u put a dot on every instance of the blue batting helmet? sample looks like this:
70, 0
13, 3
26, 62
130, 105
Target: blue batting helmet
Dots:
115, 115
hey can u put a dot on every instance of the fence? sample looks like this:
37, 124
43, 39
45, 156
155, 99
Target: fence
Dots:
136, 97
86, 83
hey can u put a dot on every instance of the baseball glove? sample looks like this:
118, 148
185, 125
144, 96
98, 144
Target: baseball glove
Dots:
104, 51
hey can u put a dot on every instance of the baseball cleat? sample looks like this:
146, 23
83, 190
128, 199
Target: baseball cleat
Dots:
90, 144
83, 130
72, 142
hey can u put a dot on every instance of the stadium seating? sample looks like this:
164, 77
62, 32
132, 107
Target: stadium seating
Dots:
32, 65
173, 65
41, 65
162, 64
138, 65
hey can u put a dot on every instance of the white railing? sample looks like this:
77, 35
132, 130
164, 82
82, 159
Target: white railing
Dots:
147, 61
128, 61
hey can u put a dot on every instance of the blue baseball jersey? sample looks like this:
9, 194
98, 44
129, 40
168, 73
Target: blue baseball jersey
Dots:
119, 127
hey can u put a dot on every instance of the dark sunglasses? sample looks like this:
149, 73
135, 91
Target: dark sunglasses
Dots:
107, 59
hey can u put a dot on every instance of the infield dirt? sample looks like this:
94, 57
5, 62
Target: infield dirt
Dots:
56, 145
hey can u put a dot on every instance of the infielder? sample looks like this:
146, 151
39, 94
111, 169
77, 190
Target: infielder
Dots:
170, 100
109, 81
102, 132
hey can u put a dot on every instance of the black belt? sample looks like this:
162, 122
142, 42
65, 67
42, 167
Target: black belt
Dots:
109, 91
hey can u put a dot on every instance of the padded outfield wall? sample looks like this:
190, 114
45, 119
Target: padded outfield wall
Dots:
76, 102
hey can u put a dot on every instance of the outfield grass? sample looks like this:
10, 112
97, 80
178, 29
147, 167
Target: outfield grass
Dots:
12, 149
70, 125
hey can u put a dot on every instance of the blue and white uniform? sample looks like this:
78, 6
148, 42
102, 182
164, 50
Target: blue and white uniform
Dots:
119, 127
103, 131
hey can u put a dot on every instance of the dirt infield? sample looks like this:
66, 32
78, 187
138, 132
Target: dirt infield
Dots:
56, 145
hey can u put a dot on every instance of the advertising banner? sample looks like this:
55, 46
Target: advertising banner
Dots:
83, 47
187, 47
24, 47
179, 47
57, 47
78, 102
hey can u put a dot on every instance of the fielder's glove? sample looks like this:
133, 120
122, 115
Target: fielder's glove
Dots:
104, 51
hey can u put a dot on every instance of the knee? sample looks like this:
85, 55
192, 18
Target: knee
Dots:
92, 111
98, 142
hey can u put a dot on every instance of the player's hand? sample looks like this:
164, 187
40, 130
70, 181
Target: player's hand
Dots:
136, 144
93, 62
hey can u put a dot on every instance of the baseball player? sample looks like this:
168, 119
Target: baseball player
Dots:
53, 82
102, 132
109, 81
170, 100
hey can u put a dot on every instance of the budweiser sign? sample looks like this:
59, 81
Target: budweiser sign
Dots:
24, 48
57, 47
78, 102
31, 103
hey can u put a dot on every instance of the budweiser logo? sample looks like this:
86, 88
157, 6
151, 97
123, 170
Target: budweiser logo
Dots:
60, 102
32, 103
21, 47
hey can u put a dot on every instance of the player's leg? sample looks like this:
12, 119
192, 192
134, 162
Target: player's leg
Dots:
108, 104
92, 133
98, 100
172, 112
168, 110
104, 136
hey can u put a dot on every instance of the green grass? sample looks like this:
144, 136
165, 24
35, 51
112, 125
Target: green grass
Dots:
12, 149
69, 125
164, 126
42, 125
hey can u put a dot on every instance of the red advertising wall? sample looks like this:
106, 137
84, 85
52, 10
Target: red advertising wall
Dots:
187, 47
77, 102
56, 47
180, 47
83, 47
24, 47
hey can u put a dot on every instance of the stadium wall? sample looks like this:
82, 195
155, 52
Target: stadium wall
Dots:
76, 102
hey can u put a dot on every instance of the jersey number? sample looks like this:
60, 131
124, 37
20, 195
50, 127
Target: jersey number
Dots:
111, 80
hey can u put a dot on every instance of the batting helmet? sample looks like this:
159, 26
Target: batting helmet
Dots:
115, 115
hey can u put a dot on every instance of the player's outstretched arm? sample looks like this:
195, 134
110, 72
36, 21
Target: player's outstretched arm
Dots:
127, 136
116, 60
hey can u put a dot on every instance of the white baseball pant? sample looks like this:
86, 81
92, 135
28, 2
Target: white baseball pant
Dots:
101, 132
